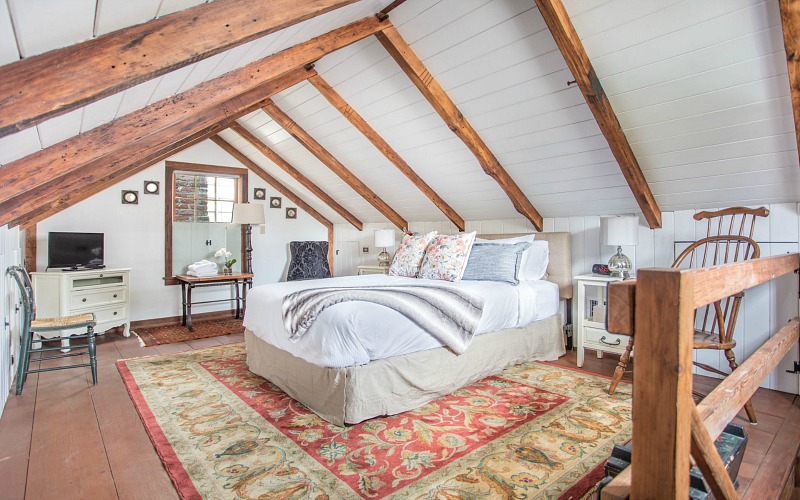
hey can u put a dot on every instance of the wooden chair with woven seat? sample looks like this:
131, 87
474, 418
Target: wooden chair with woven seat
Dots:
44, 327
715, 323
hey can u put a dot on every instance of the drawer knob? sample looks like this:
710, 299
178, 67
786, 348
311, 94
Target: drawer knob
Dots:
115, 295
602, 339
84, 300
115, 313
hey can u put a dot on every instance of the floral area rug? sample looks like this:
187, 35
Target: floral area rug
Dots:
170, 334
534, 431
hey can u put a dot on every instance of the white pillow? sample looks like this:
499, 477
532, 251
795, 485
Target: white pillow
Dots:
534, 260
528, 238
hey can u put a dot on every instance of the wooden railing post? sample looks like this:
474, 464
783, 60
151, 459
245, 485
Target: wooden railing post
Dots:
663, 389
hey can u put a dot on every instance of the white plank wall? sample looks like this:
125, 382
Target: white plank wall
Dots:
10, 319
765, 308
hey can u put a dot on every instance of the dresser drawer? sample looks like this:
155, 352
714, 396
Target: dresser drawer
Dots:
608, 341
88, 298
106, 314
99, 279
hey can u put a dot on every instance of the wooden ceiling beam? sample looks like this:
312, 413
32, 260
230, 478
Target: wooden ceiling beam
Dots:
578, 62
138, 136
296, 174
375, 138
132, 156
47, 85
383, 14
790, 19
272, 181
401, 52
332, 163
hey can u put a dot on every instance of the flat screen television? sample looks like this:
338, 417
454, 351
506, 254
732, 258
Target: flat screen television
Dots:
75, 250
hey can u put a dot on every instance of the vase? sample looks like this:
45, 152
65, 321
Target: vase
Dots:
227, 271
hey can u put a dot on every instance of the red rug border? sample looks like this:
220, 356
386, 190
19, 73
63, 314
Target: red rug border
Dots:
585, 484
169, 459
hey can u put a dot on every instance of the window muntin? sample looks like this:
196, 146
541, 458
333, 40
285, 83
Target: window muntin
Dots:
203, 198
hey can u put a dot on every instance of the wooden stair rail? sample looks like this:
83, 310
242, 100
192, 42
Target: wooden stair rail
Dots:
659, 307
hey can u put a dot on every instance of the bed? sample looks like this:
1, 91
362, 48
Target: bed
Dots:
372, 379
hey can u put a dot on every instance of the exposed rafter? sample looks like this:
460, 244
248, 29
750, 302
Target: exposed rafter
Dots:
115, 150
296, 174
122, 158
383, 14
572, 49
332, 163
401, 52
62, 80
790, 18
375, 138
272, 181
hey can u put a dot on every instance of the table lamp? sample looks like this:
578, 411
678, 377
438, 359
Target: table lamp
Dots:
245, 213
384, 238
616, 231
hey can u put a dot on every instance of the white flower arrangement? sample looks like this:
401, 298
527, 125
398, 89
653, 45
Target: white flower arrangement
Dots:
226, 255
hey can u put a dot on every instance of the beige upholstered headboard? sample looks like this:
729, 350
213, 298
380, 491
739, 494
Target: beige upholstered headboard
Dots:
559, 270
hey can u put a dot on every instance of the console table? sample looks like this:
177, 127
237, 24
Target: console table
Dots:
189, 283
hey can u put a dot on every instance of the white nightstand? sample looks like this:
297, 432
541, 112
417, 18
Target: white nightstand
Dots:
362, 270
592, 318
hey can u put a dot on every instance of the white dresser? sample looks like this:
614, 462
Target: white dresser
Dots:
104, 292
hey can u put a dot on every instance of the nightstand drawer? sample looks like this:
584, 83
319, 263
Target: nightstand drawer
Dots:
605, 339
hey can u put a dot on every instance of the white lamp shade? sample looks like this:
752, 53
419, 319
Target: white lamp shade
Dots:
384, 238
619, 230
245, 213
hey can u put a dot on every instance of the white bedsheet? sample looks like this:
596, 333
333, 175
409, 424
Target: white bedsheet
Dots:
354, 333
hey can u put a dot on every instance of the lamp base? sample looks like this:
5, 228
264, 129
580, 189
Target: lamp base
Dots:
620, 265
384, 258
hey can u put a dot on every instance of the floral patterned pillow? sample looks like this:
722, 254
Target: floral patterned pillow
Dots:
409, 254
446, 257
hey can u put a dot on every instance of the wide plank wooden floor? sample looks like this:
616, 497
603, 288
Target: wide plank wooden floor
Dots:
64, 438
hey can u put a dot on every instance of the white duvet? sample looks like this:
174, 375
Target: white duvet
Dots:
354, 333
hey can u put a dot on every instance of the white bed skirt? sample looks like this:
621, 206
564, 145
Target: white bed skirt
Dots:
394, 385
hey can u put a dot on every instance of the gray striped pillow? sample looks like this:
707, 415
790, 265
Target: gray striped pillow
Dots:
495, 262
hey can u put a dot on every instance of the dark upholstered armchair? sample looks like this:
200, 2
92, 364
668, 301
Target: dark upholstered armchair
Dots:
309, 260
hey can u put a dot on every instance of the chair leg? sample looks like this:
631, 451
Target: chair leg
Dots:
748, 407
92, 352
24, 359
621, 366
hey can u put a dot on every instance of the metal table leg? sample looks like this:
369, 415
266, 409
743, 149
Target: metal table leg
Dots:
246, 284
236, 286
189, 307
183, 303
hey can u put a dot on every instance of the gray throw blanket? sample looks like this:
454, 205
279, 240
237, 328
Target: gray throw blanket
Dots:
449, 314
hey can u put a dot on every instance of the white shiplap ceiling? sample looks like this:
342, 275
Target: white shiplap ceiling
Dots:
699, 87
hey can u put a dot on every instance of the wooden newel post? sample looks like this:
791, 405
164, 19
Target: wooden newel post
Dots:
663, 395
